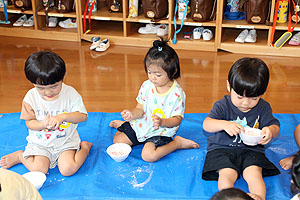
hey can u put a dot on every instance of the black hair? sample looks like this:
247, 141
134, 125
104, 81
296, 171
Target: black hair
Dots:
164, 56
295, 172
231, 194
44, 68
249, 77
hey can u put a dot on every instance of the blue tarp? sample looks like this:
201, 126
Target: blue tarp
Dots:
176, 176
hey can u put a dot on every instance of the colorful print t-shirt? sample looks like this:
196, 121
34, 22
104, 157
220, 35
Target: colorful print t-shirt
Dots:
69, 100
169, 104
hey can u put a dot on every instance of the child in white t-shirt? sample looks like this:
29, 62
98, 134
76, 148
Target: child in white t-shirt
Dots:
52, 111
159, 110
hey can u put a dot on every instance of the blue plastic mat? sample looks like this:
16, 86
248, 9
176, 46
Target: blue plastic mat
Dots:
176, 176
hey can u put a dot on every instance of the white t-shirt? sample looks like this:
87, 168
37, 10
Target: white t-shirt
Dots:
69, 100
169, 104
296, 197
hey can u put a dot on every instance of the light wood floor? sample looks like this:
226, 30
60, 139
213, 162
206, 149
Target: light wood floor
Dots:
109, 81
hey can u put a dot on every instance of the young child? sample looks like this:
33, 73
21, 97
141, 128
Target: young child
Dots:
227, 156
231, 194
295, 171
286, 163
159, 110
52, 111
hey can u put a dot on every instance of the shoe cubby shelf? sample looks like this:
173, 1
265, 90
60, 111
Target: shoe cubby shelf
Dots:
121, 29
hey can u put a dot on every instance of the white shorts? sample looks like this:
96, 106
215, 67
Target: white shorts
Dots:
52, 153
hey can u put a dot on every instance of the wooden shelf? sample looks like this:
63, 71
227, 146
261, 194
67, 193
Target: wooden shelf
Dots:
123, 30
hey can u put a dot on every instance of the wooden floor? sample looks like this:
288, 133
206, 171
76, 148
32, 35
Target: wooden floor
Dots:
109, 81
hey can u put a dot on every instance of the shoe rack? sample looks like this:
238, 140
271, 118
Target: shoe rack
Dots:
230, 29
121, 29
56, 33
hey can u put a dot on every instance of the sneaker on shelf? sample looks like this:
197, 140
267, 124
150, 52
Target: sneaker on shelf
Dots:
197, 32
207, 34
20, 21
68, 23
29, 22
148, 29
52, 22
242, 36
103, 45
96, 43
251, 37
162, 30
295, 40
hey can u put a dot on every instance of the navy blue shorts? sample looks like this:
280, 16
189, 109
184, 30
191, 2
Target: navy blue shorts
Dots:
130, 133
238, 159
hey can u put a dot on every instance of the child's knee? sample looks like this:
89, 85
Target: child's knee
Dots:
67, 169
149, 156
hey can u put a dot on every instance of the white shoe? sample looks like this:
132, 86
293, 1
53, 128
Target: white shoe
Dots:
148, 29
29, 22
96, 43
242, 36
20, 21
251, 37
207, 34
295, 40
52, 22
197, 32
103, 45
68, 23
162, 30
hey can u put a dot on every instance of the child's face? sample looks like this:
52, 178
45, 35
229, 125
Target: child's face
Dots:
243, 103
49, 92
158, 76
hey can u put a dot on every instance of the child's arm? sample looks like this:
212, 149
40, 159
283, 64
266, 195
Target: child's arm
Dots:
34, 124
135, 113
269, 132
73, 117
166, 122
214, 125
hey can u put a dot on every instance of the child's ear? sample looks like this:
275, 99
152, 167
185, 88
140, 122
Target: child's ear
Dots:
228, 86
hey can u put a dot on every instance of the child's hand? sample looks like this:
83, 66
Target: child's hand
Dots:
233, 128
267, 136
55, 122
45, 121
156, 121
127, 115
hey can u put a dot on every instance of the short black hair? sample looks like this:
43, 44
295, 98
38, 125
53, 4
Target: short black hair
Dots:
231, 194
249, 77
164, 56
44, 68
295, 172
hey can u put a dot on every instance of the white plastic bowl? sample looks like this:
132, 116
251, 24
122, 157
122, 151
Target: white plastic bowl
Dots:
251, 136
118, 151
36, 178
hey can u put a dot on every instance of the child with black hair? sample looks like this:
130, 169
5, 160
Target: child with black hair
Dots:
231, 194
286, 163
227, 156
295, 171
159, 110
52, 111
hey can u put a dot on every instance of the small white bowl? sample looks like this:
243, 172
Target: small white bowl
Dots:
36, 178
251, 136
118, 151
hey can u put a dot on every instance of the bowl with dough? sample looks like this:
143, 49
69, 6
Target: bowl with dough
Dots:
251, 136
119, 151
36, 178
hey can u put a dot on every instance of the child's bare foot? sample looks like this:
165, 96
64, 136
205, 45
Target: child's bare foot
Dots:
86, 145
254, 196
286, 163
186, 143
116, 123
11, 159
